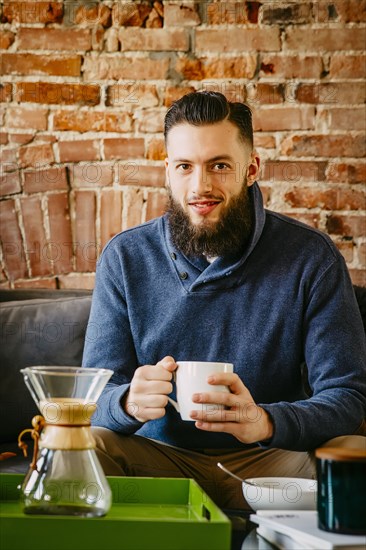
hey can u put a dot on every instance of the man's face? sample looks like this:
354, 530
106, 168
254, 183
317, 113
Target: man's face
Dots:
208, 173
206, 168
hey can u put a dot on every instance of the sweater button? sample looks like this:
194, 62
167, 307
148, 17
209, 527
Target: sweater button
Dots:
173, 255
183, 275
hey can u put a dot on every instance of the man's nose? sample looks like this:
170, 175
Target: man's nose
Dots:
201, 182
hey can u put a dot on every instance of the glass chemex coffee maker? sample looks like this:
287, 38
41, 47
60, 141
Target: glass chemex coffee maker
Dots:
65, 476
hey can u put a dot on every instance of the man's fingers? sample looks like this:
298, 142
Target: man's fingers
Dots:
151, 387
153, 372
232, 380
240, 413
167, 363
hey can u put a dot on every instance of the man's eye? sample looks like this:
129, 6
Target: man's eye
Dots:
220, 166
184, 167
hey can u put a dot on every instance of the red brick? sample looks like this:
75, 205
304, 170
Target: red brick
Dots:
78, 150
91, 174
291, 66
86, 249
32, 64
132, 173
310, 218
5, 285
347, 66
39, 181
221, 13
265, 142
324, 146
156, 204
340, 10
133, 202
223, 67
261, 93
362, 254
111, 40
32, 12
80, 281
346, 172
3, 277
330, 199
18, 117
346, 248
54, 39
191, 69
60, 245
6, 39
293, 172
181, 15
346, 225
233, 91
323, 40
13, 253
110, 214
115, 68
97, 38
124, 148
21, 139
5, 92
8, 159
283, 118
36, 243
92, 121
45, 282
358, 276
91, 14
331, 92
156, 149
290, 13
4, 138
151, 121
346, 119
45, 138
36, 155
154, 21
130, 14
172, 93
132, 94
54, 93
153, 40
238, 39
10, 183
159, 7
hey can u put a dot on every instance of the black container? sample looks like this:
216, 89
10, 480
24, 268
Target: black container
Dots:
341, 477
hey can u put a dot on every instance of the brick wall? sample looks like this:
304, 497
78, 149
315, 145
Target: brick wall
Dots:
85, 89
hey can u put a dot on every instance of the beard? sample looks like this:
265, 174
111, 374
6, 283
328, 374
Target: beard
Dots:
226, 237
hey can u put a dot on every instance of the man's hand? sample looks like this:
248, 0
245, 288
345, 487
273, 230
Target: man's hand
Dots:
150, 386
243, 418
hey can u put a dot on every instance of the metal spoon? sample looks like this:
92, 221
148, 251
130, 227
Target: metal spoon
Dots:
234, 475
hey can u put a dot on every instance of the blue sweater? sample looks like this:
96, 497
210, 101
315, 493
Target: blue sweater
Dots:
286, 301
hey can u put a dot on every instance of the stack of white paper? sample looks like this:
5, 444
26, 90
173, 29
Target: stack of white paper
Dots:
290, 530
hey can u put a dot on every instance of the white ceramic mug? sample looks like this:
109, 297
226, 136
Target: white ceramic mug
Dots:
191, 377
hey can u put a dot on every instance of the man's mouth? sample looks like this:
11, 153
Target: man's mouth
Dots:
203, 207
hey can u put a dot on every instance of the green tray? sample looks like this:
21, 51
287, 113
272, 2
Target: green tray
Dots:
146, 514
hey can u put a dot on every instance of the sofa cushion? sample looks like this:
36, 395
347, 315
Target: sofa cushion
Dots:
41, 331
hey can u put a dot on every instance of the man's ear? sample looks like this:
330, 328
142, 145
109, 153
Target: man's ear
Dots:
253, 168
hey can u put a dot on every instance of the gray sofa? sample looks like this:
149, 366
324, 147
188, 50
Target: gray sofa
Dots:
38, 327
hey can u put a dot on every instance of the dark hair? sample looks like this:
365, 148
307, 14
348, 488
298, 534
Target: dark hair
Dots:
199, 108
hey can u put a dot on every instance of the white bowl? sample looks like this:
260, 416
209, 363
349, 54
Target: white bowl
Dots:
280, 493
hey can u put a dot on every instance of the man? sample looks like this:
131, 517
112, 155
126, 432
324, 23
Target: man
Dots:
218, 278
